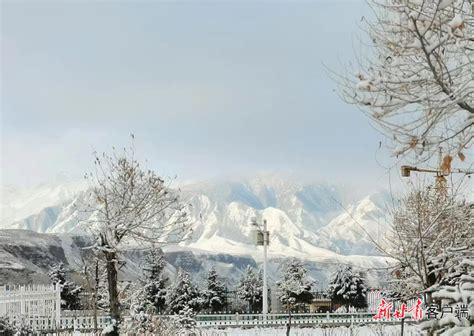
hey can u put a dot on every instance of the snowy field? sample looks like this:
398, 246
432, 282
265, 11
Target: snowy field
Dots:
375, 330
372, 330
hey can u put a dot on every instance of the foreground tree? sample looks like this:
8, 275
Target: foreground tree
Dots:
250, 288
294, 287
70, 292
214, 295
417, 84
348, 288
455, 293
131, 205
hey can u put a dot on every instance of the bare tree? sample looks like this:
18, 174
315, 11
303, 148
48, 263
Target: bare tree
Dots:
131, 206
417, 83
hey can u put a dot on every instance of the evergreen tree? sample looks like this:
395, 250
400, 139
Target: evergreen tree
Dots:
185, 318
294, 287
455, 294
70, 299
182, 294
294, 283
155, 281
215, 294
348, 288
250, 288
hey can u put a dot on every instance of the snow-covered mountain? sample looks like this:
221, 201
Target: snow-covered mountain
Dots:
314, 221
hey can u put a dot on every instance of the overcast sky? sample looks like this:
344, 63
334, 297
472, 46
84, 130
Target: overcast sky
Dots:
209, 89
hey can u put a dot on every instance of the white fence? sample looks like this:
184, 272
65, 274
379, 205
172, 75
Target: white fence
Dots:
374, 297
33, 302
40, 307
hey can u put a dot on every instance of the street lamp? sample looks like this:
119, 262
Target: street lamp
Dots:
440, 174
262, 238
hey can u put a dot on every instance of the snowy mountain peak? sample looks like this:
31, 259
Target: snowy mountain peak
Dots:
305, 219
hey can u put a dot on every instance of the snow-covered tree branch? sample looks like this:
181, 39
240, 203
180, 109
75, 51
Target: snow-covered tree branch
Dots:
417, 84
427, 225
131, 205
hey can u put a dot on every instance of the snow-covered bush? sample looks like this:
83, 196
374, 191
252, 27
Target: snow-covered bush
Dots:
17, 329
6, 328
185, 319
144, 322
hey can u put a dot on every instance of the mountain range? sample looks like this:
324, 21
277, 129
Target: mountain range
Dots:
313, 221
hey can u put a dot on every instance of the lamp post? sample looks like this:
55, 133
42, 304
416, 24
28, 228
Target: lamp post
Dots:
262, 239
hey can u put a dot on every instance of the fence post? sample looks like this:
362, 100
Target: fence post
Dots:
58, 305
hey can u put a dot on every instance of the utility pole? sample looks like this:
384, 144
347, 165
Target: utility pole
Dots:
265, 262
263, 239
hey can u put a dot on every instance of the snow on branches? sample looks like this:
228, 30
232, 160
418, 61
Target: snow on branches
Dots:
183, 294
455, 293
250, 288
214, 295
347, 287
294, 286
155, 281
130, 205
427, 227
70, 292
418, 85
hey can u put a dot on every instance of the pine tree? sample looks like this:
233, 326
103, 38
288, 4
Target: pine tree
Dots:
455, 293
182, 294
348, 288
215, 294
250, 288
155, 281
70, 292
294, 287
294, 283
185, 318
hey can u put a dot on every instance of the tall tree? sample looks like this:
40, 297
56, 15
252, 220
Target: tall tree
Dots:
131, 205
416, 83
347, 287
214, 296
155, 281
294, 287
70, 292
250, 288
183, 294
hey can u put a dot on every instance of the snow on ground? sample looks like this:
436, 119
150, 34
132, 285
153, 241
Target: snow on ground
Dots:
370, 330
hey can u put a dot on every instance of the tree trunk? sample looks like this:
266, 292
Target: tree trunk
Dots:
110, 258
96, 293
288, 325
